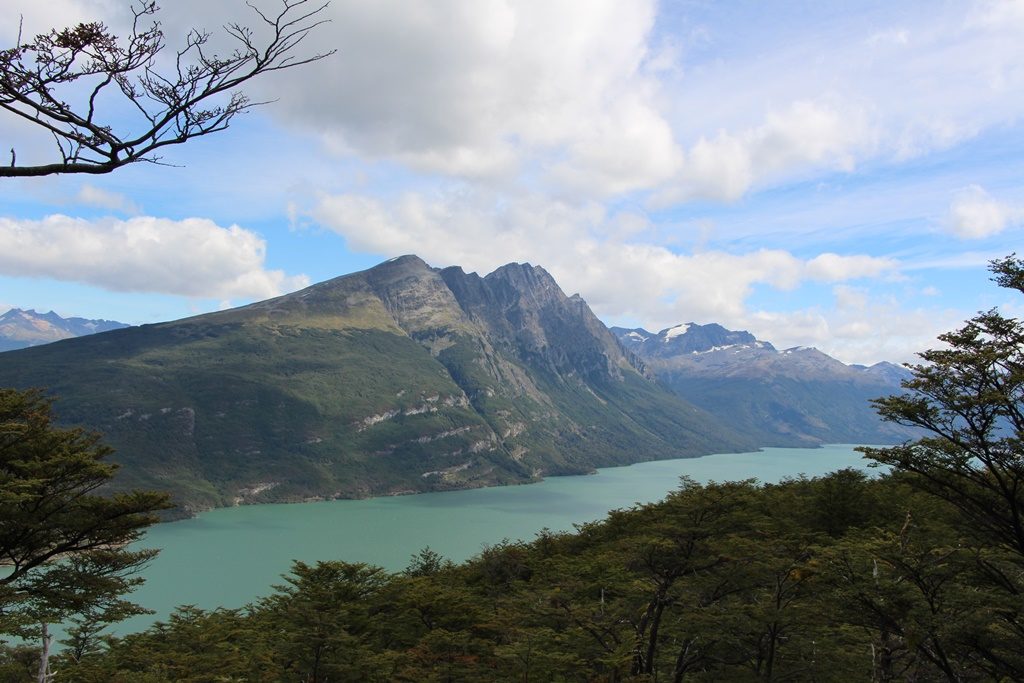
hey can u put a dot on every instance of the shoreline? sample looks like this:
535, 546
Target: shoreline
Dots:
195, 513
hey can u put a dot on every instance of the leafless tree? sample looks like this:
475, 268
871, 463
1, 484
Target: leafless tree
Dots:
74, 83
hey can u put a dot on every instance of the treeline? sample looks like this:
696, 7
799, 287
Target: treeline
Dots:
838, 578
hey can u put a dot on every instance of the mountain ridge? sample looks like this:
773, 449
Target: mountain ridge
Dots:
21, 328
397, 379
798, 396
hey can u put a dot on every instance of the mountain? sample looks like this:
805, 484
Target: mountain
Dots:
20, 329
791, 397
398, 379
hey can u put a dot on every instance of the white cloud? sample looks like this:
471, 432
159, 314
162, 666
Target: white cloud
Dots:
896, 36
95, 196
850, 298
999, 14
599, 98
830, 267
860, 329
975, 214
935, 80
805, 135
490, 88
33, 18
192, 257
587, 250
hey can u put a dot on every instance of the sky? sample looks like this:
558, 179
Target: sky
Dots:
828, 174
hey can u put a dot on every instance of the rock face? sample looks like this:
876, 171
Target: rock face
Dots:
20, 328
398, 379
523, 308
793, 397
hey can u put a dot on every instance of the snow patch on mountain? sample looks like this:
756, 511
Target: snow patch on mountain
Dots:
676, 331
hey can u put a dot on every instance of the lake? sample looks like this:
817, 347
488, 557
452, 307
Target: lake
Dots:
231, 556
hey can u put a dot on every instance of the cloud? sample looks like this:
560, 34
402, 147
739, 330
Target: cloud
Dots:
94, 196
932, 78
627, 279
894, 36
829, 267
861, 328
588, 250
596, 98
484, 89
192, 257
805, 135
975, 214
999, 14
33, 18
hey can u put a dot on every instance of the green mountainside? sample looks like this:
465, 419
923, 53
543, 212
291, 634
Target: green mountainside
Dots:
398, 379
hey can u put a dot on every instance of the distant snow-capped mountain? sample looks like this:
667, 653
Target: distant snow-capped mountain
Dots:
22, 328
794, 396
687, 338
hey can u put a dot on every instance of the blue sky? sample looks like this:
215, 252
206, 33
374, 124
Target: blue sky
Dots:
824, 174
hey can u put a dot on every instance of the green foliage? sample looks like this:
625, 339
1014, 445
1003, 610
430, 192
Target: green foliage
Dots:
731, 581
63, 552
323, 622
969, 397
49, 511
193, 646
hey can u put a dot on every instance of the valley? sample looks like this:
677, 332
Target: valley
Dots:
406, 379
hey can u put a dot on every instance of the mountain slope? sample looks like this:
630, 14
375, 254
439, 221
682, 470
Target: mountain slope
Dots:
794, 397
23, 328
397, 379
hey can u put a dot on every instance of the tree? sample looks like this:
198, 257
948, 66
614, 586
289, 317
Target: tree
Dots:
969, 397
323, 621
67, 82
63, 547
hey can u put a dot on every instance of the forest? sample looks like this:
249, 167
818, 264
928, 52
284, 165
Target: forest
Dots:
911, 572
845, 577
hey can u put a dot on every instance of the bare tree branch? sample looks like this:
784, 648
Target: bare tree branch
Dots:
198, 96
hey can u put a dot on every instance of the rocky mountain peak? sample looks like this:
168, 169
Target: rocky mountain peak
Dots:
20, 328
712, 350
416, 295
523, 275
687, 338
523, 306
889, 372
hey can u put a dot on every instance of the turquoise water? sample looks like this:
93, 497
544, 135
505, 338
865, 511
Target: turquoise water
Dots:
229, 557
